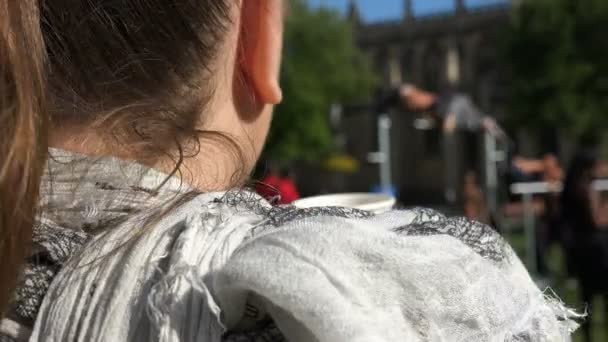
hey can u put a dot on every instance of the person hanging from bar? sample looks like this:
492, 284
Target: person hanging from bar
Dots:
459, 117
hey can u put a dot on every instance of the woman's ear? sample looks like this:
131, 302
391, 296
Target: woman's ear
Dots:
260, 48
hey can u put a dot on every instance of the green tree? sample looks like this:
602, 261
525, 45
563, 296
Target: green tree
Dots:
321, 66
558, 55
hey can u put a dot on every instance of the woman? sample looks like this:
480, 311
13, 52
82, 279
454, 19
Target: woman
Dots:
585, 229
153, 109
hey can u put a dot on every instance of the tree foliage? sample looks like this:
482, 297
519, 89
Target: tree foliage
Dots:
558, 54
321, 66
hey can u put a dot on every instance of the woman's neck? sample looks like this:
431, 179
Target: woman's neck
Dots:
213, 168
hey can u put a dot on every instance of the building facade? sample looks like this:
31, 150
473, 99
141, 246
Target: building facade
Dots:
457, 49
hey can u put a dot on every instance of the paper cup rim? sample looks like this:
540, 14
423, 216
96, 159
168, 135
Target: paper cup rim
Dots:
358, 200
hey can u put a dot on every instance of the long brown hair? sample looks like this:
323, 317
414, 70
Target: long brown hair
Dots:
23, 142
139, 69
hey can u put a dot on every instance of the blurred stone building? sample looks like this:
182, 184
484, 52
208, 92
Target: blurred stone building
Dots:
456, 50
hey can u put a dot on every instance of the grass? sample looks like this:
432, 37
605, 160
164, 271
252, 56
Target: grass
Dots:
567, 289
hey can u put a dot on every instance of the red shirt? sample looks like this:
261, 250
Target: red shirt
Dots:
289, 192
283, 189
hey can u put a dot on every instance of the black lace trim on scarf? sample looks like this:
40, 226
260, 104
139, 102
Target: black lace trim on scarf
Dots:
479, 237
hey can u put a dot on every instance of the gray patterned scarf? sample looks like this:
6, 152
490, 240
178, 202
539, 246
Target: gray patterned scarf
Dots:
83, 198
80, 197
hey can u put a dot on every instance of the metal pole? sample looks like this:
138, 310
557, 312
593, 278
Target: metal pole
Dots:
491, 172
530, 231
384, 143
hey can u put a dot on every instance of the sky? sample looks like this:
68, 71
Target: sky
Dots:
378, 10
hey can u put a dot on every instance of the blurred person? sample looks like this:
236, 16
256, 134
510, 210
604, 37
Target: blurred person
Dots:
546, 206
278, 186
458, 115
156, 112
602, 169
547, 232
288, 188
475, 207
456, 111
553, 172
546, 169
585, 230
268, 187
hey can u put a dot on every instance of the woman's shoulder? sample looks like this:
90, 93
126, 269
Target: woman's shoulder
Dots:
250, 210
244, 207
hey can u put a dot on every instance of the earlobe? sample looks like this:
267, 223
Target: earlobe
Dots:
275, 93
260, 48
